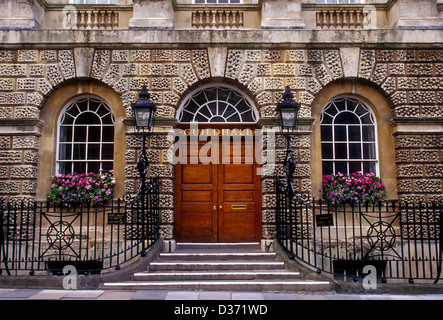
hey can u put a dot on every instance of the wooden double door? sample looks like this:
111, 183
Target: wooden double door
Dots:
217, 193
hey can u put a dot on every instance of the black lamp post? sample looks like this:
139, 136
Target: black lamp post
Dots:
287, 114
144, 112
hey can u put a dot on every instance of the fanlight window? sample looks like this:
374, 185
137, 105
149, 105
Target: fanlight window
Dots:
348, 137
217, 105
86, 137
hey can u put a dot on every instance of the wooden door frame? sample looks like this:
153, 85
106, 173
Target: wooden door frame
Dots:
257, 182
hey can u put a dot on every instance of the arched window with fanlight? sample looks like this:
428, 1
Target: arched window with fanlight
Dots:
85, 136
348, 137
217, 104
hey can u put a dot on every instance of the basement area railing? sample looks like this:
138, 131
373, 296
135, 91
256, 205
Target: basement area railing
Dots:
402, 241
38, 236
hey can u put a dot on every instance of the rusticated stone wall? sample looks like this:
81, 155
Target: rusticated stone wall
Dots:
410, 79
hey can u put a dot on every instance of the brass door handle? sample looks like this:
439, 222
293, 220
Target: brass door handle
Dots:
214, 208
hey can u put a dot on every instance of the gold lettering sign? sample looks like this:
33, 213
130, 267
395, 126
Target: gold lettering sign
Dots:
218, 132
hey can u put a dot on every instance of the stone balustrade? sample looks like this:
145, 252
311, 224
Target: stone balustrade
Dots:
217, 19
97, 19
340, 19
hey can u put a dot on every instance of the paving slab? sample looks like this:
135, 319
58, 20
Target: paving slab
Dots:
182, 295
342, 297
84, 294
150, 295
404, 297
311, 297
117, 295
4, 292
375, 297
215, 295
50, 295
279, 296
20, 294
431, 296
247, 296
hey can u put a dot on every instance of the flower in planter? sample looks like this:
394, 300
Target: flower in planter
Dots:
78, 189
358, 187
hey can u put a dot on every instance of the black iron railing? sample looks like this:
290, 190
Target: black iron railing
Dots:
402, 241
42, 237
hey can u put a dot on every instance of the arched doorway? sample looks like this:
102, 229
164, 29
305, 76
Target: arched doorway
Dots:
217, 186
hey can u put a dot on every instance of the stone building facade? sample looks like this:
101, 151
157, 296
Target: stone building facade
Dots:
394, 65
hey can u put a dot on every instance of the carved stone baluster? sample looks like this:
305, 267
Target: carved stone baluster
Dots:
345, 19
351, 19
240, 21
208, 17
89, 22
228, 19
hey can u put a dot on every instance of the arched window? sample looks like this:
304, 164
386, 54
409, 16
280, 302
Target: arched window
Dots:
348, 137
217, 104
85, 137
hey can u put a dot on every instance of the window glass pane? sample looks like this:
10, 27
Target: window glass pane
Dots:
368, 133
369, 151
64, 167
326, 133
94, 133
369, 167
328, 167
80, 167
107, 151
65, 134
347, 118
106, 166
341, 167
355, 167
87, 118
108, 134
79, 151
80, 133
340, 133
327, 151
355, 151
64, 152
93, 167
93, 151
341, 151
354, 133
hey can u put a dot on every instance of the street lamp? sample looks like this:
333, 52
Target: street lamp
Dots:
144, 112
287, 114
288, 111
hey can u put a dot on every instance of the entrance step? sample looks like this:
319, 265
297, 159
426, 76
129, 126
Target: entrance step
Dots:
220, 266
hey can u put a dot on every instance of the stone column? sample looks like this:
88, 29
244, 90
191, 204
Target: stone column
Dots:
412, 13
21, 14
278, 14
152, 14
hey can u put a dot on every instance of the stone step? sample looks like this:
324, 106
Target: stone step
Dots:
216, 265
224, 285
218, 256
216, 275
188, 247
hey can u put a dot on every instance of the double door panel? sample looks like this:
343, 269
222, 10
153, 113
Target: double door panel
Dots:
218, 201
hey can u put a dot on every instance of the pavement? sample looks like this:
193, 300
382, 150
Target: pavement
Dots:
51, 294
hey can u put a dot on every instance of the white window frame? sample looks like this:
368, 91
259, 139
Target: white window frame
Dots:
348, 142
101, 103
189, 98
